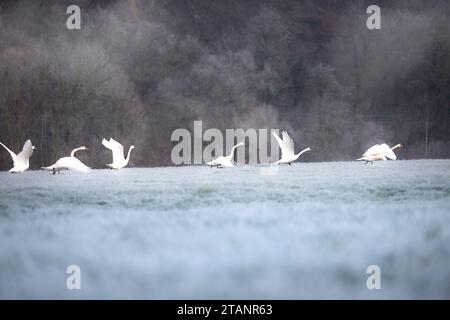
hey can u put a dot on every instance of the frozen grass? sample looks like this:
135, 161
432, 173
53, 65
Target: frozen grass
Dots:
309, 231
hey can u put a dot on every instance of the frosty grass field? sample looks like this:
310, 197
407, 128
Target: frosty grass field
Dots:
309, 231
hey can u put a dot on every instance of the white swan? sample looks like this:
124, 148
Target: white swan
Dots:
21, 161
117, 151
69, 163
226, 161
379, 152
287, 149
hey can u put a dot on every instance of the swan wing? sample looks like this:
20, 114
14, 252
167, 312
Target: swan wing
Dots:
70, 163
372, 150
228, 164
12, 154
26, 152
279, 141
78, 165
387, 152
116, 148
288, 143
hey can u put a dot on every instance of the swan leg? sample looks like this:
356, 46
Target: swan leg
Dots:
289, 163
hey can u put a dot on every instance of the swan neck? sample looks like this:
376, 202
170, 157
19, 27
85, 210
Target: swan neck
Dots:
72, 154
302, 152
232, 151
128, 155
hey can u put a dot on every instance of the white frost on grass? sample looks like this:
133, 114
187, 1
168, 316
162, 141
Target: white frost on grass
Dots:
309, 231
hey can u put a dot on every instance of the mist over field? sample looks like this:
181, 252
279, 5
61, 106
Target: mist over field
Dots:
137, 70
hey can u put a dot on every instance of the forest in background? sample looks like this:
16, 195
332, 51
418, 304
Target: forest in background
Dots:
137, 70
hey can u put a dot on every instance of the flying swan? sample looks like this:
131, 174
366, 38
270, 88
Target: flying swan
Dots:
287, 149
225, 161
21, 161
117, 152
69, 163
379, 152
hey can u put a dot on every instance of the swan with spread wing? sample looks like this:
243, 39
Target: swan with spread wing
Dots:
119, 161
287, 149
21, 161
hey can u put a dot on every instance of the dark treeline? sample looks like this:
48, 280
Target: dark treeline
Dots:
139, 69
